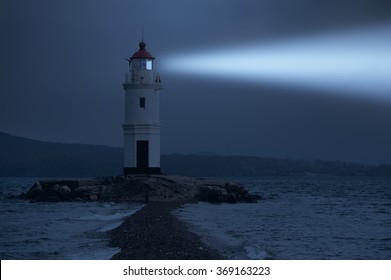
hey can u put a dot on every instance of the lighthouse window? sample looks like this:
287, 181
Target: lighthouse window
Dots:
142, 102
149, 64
145, 64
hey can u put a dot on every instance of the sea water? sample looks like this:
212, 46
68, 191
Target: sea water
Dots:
64, 230
300, 218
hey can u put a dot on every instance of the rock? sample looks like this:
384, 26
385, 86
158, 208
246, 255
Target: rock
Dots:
238, 190
61, 189
213, 195
63, 193
225, 193
86, 192
231, 198
140, 188
35, 190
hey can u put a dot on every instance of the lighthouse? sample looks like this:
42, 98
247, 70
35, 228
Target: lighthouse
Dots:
141, 127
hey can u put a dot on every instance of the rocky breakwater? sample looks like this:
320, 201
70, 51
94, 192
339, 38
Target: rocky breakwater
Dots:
140, 188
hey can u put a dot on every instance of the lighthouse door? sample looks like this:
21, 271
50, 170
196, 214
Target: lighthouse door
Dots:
142, 155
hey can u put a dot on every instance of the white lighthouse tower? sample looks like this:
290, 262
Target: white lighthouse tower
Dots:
142, 127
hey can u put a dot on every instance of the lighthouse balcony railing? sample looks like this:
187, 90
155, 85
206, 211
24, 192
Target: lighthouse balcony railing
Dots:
129, 79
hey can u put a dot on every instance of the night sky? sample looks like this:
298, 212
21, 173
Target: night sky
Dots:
62, 69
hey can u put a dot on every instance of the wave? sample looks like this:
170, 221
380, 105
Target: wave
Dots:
254, 253
111, 217
110, 227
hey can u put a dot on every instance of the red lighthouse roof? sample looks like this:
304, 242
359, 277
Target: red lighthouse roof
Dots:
142, 52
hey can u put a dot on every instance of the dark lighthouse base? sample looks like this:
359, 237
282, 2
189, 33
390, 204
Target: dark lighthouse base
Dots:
135, 170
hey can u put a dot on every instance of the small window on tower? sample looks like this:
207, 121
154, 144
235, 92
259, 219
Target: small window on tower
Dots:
149, 64
142, 102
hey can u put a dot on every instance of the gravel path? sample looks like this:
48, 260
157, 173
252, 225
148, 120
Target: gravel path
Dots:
153, 233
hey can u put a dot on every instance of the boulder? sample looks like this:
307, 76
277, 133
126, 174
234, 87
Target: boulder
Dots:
61, 189
231, 198
63, 193
35, 190
92, 192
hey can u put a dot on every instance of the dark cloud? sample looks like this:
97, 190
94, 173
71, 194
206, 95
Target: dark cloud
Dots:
63, 65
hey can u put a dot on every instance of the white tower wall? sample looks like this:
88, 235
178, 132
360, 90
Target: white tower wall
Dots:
134, 114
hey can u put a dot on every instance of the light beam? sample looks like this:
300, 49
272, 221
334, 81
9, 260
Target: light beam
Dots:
355, 62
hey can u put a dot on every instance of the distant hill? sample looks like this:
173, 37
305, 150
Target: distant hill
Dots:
246, 166
22, 157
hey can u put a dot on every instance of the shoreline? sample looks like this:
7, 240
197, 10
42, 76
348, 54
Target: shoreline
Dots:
154, 233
